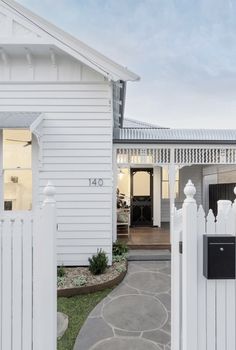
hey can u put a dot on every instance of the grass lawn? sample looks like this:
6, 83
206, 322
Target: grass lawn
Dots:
78, 309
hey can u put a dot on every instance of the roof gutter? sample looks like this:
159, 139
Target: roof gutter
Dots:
176, 142
122, 98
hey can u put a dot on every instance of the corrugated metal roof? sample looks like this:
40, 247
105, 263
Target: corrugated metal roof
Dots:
133, 123
17, 119
142, 135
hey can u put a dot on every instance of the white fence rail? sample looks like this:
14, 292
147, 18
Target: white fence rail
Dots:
203, 311
28, 278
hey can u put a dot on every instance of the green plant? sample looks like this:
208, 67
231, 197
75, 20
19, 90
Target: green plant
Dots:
61, 271
80, 281
120, 269
98, 263
77, 308
119, 258
119, 248
61, 281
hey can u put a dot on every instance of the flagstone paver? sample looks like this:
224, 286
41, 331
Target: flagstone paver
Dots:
135, 315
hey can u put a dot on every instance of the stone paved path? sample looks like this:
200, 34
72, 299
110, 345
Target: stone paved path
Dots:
135, 315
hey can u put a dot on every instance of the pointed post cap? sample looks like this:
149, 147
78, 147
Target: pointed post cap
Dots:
49, 193
235, 190
235, 195
189, 191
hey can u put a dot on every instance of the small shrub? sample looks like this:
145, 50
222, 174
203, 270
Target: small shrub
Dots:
120, 269
61, 271
98, 263
119, 258
61, 281
80, 281
119, 248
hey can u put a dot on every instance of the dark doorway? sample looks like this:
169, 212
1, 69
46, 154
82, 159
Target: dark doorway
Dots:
220, 191
141, 197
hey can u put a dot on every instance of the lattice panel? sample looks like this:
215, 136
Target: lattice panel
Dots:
182, 155
205, 156
143, 156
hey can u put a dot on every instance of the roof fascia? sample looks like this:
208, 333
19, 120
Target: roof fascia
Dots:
74, 47
176, 142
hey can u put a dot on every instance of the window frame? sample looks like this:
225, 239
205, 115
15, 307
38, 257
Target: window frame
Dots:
166, 182
4, 170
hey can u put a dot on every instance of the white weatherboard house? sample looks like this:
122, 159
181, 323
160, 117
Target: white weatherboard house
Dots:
62, 119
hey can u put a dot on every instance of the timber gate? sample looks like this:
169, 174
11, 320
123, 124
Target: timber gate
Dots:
203, 310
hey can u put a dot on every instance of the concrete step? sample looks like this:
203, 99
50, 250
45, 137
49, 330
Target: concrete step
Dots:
149, 255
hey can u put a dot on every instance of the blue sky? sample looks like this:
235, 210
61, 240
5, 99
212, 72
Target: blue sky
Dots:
184, 51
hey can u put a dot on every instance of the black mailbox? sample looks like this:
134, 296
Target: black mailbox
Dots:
219, 256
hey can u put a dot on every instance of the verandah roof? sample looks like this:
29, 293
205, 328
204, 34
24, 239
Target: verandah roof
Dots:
177, 136
13, 120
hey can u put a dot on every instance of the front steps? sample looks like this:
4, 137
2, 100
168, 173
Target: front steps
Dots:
149, 255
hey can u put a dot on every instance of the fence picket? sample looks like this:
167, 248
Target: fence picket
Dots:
6, 285
230, 290
221, 228
18, 279
17, 284
211, 229
201, 229
27, 282
230, 315
216, 299
210, 294
1, 281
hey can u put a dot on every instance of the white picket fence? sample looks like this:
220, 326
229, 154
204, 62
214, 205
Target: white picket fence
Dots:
203, 311
28, 278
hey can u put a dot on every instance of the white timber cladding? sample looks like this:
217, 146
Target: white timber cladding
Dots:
76, 146
45, 70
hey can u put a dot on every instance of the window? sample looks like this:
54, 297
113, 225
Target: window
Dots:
165, 183
17, 169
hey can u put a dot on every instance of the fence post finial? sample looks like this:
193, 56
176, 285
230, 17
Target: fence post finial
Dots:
235, 194
49, 193
189, 191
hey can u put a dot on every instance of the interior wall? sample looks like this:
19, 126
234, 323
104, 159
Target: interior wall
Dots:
123, 183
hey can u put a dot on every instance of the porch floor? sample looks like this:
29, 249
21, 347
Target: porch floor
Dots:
147, 237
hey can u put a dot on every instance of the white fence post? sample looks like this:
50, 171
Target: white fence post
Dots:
45, 292
176, 279
189, 269
202, 327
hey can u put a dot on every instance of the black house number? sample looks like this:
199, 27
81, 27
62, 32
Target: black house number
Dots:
96, 182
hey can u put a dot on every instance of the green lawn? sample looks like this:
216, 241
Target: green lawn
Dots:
78, 309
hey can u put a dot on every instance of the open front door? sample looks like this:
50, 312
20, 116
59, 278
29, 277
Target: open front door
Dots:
141, 197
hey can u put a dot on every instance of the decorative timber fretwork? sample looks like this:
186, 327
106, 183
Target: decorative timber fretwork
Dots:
143, 156
177, 155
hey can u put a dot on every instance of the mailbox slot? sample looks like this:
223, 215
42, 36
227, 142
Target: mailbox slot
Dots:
219, 256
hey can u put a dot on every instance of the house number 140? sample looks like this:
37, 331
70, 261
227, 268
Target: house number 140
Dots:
96, 182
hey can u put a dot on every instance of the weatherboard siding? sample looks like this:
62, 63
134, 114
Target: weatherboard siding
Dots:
76, 146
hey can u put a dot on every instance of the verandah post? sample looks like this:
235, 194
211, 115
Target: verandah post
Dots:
190, 243
45, 272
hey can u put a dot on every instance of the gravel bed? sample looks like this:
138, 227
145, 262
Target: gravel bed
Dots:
81, 276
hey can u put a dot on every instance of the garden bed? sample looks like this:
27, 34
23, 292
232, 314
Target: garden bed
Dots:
79, 280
